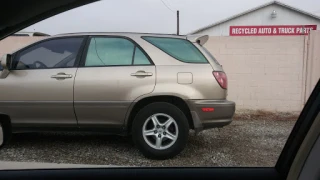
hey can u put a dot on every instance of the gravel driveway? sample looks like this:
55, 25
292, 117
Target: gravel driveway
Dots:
243, 143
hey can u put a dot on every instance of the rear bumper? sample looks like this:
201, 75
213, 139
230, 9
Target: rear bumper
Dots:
221, 115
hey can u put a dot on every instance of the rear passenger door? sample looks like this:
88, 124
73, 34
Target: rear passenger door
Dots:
113, 72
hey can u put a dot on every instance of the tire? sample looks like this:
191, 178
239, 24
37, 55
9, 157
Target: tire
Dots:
174, 133
2, 135
5, 133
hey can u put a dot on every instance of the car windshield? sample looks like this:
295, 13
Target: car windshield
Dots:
139, 83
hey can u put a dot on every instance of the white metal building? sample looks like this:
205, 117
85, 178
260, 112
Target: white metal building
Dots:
272, 14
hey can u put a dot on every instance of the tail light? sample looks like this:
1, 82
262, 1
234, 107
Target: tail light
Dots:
221, 77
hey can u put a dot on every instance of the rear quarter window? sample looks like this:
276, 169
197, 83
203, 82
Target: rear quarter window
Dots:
181, 49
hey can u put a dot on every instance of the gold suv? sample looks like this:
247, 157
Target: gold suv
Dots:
151, 86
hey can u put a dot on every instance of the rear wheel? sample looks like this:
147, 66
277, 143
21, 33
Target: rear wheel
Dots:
160, 130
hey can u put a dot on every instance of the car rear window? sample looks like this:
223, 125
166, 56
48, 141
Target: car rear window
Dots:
181, 49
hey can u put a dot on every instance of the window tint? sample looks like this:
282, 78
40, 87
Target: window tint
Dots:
140, 58
109, 52
56, 53
180, 49
71, 62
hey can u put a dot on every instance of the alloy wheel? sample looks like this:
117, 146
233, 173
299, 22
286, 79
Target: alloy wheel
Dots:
160, 131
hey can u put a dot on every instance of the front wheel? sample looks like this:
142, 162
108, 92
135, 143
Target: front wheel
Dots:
160, 130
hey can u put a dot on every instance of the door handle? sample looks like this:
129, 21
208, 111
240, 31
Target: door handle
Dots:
142, 74
61, 76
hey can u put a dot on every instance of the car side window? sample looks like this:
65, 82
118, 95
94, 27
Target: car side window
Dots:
180, 49
114, 51
109, 51
140, 58
55, 53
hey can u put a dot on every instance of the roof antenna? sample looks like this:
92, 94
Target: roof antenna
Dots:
178, 23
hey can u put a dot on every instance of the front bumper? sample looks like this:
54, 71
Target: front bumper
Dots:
221, 115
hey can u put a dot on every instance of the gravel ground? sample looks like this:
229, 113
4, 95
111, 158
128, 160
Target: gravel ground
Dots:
243, 143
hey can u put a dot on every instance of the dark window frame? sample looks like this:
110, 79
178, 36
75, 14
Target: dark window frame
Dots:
76, 64
136, 45
134, 53
207, 62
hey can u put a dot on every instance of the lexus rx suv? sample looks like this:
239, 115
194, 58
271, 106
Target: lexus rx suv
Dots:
154, 87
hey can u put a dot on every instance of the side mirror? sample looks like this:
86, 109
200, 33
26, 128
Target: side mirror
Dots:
6, 63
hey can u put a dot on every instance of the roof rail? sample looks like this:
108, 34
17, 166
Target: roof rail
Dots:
120, 33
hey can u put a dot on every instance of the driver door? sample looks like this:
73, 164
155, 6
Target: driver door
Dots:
38, 92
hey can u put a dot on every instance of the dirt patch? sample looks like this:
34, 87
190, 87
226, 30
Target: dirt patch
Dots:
265, 115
